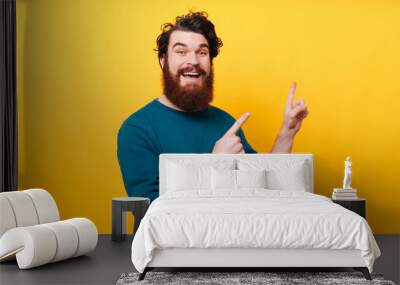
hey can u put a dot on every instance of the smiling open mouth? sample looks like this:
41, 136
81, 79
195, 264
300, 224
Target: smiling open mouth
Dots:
191, 75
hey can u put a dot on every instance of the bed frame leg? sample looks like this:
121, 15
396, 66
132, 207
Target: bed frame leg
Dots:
143, 274
364, 271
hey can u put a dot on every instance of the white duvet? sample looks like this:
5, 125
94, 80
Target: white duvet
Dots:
250, 219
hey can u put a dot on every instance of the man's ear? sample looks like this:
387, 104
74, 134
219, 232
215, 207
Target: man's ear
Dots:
162, 61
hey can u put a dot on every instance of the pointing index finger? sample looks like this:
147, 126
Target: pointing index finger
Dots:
291, 95
238, 124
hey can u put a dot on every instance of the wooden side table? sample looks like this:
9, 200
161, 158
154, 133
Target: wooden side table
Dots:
137, 205
357, 205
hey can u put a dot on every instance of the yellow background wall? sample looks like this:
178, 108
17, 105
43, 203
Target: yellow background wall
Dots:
84, 66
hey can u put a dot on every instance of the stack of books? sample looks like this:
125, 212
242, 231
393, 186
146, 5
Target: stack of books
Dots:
344, 194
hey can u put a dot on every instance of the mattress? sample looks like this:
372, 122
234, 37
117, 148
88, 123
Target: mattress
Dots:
250, 219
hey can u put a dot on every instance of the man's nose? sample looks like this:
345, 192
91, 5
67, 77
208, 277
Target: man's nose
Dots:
192, 58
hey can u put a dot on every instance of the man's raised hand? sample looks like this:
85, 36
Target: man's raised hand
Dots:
295, 112
230, 142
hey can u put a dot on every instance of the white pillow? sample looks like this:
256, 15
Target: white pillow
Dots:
223, 179
281, 174
290, 179
251, 178
185, 175
226, 179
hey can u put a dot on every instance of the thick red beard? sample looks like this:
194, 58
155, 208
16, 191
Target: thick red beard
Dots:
188, 98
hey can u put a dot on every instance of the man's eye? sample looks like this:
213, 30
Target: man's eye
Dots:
180, 52
203, 52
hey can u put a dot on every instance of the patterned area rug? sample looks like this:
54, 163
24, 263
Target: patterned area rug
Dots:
230, 278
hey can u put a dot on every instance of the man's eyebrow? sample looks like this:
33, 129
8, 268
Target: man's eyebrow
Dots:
179, 44
204, 45
184, 45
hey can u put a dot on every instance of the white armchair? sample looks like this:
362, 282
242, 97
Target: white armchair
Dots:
31, 230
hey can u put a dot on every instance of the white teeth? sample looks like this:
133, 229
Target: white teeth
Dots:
190, 73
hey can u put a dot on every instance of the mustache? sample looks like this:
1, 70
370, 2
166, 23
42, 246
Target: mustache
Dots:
199, 70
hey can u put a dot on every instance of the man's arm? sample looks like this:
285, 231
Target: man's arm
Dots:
283, 142
295, 112
138, 160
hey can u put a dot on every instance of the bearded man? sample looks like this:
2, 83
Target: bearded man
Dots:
182, 119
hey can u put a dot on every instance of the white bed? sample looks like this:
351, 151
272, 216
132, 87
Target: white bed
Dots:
203, 221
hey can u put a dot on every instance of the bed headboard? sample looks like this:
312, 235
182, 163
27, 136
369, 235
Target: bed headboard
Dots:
200, 157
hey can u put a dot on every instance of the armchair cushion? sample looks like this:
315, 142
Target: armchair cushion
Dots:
40, 244
30, 230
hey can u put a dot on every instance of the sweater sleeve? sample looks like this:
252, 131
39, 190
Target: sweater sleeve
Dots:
246, 146
138, 160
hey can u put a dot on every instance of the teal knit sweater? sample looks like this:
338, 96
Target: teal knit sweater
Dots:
157, 128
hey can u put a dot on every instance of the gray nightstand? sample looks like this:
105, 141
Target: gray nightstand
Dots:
137, 205
357, 205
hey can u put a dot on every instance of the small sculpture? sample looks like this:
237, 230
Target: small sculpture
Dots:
347, 174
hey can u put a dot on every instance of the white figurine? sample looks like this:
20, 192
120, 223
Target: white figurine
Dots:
347, 174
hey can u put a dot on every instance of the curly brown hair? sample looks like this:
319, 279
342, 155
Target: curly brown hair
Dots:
195, 22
